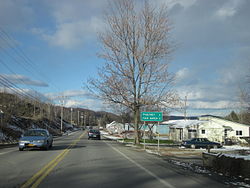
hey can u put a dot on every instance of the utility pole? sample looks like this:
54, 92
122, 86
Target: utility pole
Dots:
78, 118
71, 110
62, 103
82, 116
48, 111
85, 116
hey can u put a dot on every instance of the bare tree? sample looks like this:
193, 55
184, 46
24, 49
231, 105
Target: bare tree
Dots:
136, 47
245, 102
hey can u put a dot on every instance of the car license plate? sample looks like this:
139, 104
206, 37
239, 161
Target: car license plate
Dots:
94, 135
31, 145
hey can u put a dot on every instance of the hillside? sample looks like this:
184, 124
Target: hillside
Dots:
18, 114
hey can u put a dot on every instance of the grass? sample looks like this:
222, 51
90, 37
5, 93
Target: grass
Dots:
151, 141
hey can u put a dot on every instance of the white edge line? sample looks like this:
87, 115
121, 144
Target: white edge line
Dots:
143, 168
6, 152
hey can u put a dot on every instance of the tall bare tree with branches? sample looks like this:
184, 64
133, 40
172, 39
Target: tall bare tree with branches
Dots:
136, 47
245, 102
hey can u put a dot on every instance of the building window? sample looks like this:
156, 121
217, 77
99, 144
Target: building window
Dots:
225, 132
203, 131
191, 131
238, 133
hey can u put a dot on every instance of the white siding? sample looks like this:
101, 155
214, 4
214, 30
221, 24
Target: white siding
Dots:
214, 129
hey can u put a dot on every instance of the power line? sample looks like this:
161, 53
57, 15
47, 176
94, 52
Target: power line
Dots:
14, 74
11, 85
4, 35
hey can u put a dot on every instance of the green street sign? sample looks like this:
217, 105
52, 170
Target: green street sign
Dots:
151, 116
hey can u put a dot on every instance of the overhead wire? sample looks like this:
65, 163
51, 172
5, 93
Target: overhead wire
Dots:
24, 57
21, 79
17, 51
13, 86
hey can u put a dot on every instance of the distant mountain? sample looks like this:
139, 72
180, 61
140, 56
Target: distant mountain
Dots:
207, 115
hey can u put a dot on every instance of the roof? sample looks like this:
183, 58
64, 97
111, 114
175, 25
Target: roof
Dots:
183, 123
209, 117
114, 124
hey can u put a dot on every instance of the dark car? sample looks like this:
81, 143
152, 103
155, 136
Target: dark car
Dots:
36, 138
200, 143
95, 134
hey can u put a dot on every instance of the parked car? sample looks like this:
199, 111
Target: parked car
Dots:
200, 143
36, 138
93, 133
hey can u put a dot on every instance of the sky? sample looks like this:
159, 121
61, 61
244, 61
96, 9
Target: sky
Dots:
50, 47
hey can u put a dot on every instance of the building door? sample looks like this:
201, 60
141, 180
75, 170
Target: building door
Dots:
192, 133
181, 134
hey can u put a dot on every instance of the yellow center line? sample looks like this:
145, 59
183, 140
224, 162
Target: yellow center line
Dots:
37, 178
46, 173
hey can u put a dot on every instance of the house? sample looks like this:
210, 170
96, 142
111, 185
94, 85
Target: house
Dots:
213, 128
184, 129
115, 128
232, 130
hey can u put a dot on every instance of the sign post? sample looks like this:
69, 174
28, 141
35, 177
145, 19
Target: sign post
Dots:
158, 139
152, 117
144, 136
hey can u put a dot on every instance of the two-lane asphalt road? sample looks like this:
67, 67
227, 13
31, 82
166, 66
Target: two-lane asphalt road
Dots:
75, 161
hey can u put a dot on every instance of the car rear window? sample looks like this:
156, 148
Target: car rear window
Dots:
94, 131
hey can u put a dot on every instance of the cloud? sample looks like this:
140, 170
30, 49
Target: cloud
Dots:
12, 11
75, 23
23, 80
186, 77
78, 98
210, 23
73, 34
172, 3
182, 74
229, 9
207, 92
69, 94
212, 105
92, 104
236, 72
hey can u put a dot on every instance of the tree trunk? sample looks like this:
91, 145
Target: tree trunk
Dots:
136, 127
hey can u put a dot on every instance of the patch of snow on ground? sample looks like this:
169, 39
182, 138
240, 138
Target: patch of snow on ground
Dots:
190, 166
240, 184
112, 137
234, 147
245, 157
152, 152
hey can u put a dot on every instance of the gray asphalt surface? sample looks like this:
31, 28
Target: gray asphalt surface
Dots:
93, 163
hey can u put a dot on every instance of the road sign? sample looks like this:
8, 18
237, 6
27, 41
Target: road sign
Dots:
151, 116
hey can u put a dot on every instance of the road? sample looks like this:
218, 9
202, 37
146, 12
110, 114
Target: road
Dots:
75, 161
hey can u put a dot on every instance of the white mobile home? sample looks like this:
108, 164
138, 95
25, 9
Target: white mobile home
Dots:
213, 128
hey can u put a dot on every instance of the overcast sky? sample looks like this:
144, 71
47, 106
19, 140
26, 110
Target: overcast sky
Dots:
58, 44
